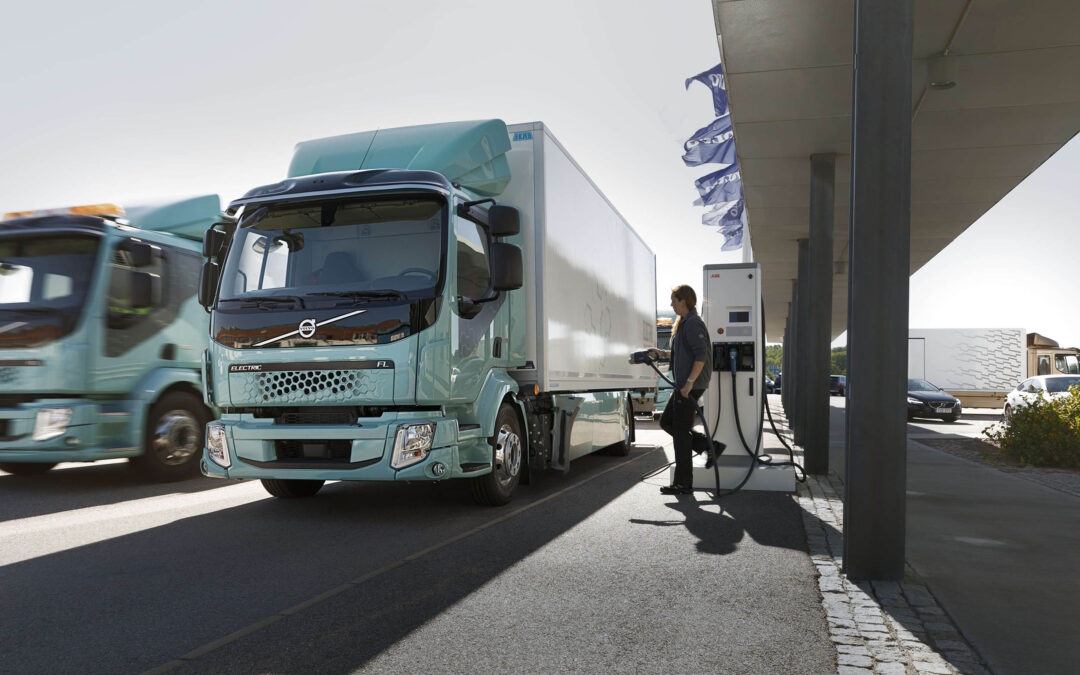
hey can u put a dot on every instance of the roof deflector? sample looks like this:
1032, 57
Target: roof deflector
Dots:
471, 154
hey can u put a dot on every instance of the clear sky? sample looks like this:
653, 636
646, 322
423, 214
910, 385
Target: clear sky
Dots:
134, 101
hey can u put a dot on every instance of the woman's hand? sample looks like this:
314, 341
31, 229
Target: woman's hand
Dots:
654, 354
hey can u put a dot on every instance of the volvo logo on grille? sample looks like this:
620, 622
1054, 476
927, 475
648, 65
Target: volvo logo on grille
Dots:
307, 328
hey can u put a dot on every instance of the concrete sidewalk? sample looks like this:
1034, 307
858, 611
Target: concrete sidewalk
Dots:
999, 552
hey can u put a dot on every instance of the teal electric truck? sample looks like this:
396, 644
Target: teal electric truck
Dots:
447, 301
101, 337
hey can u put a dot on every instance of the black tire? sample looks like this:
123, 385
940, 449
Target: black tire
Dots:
173, 439
292, 489
26, 468
623, 447
507, 455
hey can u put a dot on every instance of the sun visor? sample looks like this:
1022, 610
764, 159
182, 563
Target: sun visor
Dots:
471, 154
188, 218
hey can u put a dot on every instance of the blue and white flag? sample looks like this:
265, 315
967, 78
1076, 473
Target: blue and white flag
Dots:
713, 79
714, 144
725, 216
720, 186
733, 241
730, 221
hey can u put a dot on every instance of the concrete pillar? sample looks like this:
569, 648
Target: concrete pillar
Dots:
803, 383
819, 328
788, 375
875, 474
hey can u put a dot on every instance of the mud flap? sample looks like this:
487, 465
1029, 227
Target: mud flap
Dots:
566, 412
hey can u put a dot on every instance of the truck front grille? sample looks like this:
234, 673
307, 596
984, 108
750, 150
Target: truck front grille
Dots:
285, 384
318, 416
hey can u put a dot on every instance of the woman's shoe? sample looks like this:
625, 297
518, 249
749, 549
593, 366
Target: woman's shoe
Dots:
676, 489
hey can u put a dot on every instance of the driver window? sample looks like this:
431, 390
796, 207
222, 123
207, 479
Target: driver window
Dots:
473, 268
1044, 365
15, 282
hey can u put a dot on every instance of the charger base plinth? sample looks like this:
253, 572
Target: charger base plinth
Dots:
733, 469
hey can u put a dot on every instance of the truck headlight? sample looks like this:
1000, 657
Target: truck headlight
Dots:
217, 446
412, 443
51, 422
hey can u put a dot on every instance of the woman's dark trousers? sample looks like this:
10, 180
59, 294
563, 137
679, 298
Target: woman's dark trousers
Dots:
678, 420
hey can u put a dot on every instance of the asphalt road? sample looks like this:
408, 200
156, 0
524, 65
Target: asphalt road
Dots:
592, 571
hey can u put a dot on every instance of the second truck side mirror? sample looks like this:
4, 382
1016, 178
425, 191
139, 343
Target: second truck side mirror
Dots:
208, 280
213, 243
503, 221
506, 267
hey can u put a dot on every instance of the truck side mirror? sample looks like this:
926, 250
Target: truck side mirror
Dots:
130, 290
506, 267
208, 280
503, 221
140, 253
213, 243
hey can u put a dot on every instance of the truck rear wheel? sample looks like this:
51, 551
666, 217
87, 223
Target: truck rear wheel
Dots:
622, 448
174, 438
26, 468
497, 487
292, 489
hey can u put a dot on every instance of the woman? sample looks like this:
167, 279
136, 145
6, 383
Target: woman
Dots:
691, 367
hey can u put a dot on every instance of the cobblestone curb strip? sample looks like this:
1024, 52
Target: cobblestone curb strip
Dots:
886, 628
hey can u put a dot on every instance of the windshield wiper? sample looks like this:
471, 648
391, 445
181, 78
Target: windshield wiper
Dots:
264, 299
31, 310
382, 294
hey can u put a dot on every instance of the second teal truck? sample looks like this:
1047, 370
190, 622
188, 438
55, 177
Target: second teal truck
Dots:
101, 337
448, 301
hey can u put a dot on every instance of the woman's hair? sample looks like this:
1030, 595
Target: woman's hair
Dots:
687, 295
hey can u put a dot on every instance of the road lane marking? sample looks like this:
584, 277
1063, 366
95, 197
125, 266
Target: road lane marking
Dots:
326, 595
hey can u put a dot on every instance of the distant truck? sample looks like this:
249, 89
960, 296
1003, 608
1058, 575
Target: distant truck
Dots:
980, 365
379, 316
101, 337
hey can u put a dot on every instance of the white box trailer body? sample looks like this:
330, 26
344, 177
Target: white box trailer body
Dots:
977, 365
590, 279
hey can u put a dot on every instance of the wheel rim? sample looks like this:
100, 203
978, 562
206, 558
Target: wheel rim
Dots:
176, 437
507, 455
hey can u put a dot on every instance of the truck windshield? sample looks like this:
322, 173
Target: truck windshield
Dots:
360, 250
43, 286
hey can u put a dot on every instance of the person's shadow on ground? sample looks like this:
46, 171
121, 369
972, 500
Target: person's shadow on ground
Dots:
769, 518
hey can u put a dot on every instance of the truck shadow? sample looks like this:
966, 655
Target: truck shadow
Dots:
396, 555
81, 486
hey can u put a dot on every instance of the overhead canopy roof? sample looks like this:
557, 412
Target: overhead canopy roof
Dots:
788, 74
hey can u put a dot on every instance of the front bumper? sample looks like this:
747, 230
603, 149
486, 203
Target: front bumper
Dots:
927, 410
88, 435
253, 446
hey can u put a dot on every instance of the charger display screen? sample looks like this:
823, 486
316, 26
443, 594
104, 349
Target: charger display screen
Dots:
738, 317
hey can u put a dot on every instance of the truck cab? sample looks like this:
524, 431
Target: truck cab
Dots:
101, 338
369, 321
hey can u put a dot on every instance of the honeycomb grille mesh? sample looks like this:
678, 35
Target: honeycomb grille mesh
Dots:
323, 386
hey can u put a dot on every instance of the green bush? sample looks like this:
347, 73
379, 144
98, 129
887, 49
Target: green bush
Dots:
1043, 433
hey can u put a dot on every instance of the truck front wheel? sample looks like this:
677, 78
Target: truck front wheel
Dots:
496, 488
291, 489
26, 468
174, 438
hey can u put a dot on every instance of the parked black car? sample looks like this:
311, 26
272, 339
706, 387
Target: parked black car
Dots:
837, 385
927, 400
